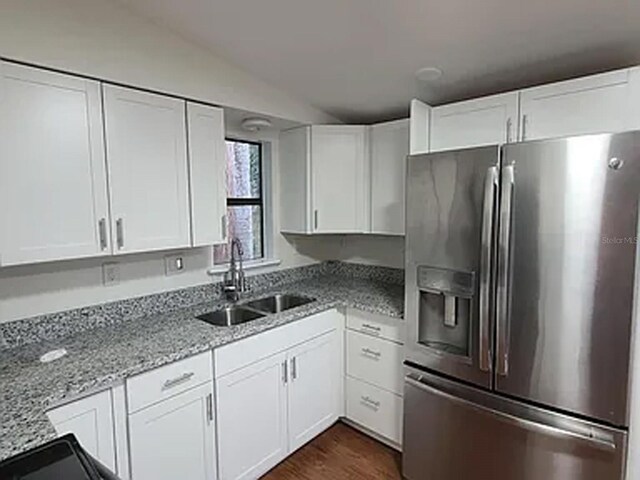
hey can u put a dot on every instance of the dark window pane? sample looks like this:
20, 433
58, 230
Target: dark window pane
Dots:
243, 170
245, 224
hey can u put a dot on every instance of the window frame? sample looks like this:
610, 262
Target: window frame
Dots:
251, 201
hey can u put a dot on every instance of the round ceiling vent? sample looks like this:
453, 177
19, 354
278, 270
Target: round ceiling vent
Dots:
254, 124
429, 74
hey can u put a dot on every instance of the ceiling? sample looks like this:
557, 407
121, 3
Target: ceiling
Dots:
356, 59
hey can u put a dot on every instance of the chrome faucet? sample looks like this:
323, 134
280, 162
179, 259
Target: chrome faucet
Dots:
234, 283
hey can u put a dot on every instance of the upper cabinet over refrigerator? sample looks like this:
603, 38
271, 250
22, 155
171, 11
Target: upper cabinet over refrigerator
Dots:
595, 104
484, 121
147, 158
451, 206
53, 186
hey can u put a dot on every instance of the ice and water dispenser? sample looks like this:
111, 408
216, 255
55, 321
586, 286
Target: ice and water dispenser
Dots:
445, 310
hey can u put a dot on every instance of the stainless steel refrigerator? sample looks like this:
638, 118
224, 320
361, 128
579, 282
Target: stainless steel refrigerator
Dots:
520, 267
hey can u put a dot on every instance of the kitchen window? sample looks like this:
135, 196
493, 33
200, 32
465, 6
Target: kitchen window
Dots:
245, 201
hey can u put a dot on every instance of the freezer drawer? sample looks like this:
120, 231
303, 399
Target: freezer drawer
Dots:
453, 432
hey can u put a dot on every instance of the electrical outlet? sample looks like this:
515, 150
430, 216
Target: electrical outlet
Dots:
110, 273
174, 264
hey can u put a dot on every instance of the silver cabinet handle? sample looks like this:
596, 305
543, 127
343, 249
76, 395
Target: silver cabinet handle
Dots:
371, 353
509, 125
370, 402
285, 372
504, 242
294, 369
370, 329
102, 230
210, 408
224, 227
120, 233
525, 122
486, 266
603, 441
315, 219
185, 377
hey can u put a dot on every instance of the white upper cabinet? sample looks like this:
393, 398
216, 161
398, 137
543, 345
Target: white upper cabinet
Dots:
389, 149
339, 188
483, 121
207, 159
53, 188
147, 158
324, 179
595, 104
419, 127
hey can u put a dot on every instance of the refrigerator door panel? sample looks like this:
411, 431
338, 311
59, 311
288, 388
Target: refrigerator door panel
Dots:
566, 272
451, 225
453, 432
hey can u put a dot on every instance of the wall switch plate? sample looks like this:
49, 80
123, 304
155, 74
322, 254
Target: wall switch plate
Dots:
174, 264
110, 273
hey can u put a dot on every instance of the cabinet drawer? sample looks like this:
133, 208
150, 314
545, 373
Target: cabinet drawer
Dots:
375, 360
376, 325
375, 409
152, 387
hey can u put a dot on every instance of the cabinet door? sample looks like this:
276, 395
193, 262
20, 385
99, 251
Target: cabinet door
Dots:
207, 160
147, 162
389, 149
174, 438
251, 408
90, 419
53, 187
587, 105
314, 388
483, 121
339, 173
419, 127
634, 104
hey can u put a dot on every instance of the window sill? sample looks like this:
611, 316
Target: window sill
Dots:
251, 265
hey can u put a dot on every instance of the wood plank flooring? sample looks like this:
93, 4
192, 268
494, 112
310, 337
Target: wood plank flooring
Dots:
340, 453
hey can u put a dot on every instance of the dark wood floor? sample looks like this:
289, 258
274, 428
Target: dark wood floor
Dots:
340, 453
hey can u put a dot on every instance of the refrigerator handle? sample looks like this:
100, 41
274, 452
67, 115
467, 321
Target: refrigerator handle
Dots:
504, 241
486, 262
595, 439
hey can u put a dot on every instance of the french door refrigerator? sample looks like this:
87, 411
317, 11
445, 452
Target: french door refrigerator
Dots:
520, 264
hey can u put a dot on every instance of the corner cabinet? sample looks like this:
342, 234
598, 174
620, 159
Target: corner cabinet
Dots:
483, 121
147, 165
324, 182
53, 185
389, 149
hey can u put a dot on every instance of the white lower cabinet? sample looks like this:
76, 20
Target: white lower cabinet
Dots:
251, 408
174, 438
90, 419
314, 393
273, 406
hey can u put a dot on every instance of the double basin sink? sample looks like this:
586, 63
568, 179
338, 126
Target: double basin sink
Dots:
246, 312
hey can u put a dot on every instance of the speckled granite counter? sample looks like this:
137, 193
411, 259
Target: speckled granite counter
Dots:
106, 355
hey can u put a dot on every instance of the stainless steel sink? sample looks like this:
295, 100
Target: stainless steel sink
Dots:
228, 316
278, 303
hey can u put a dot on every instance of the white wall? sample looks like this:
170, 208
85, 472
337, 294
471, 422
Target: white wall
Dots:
103, 39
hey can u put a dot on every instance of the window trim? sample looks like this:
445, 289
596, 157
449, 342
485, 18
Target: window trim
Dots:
259, 201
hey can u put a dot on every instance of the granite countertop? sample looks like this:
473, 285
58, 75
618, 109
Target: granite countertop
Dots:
105, 356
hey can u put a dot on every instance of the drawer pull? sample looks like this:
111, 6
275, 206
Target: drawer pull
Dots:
375, 330
371, 353
185, 377
369, 402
